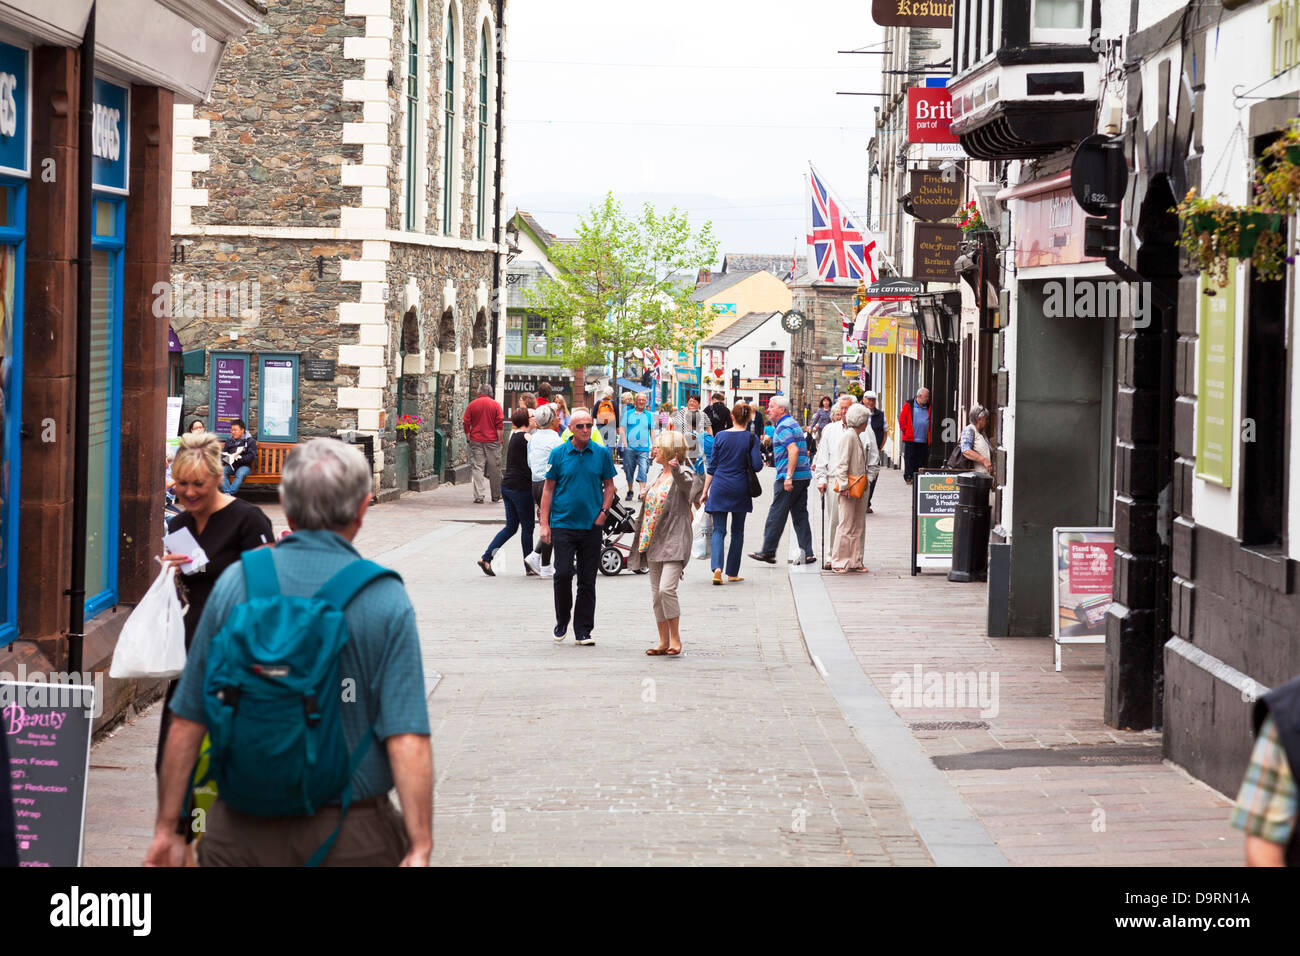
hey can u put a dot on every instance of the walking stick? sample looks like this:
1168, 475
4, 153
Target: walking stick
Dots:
825, 556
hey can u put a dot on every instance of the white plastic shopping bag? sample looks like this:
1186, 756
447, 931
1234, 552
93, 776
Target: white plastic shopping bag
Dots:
702, 531
152, 643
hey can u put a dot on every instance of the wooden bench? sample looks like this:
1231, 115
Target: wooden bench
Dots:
270, 463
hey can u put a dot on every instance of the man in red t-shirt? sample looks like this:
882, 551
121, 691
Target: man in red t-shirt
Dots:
484, 422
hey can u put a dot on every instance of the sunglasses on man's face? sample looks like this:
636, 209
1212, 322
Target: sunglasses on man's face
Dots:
586, 426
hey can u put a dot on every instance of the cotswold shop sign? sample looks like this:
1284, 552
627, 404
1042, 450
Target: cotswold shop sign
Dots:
912, 13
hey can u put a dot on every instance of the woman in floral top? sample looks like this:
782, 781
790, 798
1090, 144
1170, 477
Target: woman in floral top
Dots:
663, 536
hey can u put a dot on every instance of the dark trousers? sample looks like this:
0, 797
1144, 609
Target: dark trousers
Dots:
915, 454
795, 505
584, 547
519, 514
871, 489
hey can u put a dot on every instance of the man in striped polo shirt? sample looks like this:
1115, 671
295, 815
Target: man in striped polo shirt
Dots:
793, 475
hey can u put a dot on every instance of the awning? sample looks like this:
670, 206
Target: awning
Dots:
632, 386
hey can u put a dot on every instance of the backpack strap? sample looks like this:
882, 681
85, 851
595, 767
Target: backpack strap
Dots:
351, 580
259, 574
358, 755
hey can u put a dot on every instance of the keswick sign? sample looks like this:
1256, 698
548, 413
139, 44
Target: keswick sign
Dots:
912, 13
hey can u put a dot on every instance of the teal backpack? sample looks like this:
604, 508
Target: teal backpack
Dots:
272, 695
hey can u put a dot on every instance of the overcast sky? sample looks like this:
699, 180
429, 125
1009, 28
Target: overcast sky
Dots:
715, 106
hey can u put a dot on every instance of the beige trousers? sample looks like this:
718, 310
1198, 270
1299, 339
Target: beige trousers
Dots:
832, 522
485, 456
851, 532
664, 577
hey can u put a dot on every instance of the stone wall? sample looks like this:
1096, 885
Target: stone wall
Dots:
822, 334
450, 386
277, 113
291, 309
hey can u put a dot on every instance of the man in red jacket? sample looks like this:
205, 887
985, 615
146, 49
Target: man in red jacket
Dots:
484, 423
914, 432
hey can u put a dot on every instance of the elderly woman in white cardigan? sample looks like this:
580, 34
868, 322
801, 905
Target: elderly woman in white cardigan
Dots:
853, 460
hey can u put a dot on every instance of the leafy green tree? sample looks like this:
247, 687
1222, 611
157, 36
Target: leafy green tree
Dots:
626, 284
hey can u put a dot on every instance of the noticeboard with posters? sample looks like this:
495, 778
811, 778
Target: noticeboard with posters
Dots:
934, 510
1084, 567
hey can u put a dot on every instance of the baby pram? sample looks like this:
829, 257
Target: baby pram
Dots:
620, 523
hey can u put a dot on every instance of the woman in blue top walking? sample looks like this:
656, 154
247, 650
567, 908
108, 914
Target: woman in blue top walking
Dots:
726, 491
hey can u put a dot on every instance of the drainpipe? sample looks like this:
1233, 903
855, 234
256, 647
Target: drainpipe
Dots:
81, 407
497, 304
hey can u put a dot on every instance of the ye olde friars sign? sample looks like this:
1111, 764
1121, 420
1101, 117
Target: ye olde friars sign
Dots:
935, 251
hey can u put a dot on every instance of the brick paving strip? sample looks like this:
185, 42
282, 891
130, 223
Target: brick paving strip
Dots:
1048, 781
546, 753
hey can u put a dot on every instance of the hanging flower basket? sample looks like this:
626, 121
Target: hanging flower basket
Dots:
1277, 173
1251, 226
408, 426
972, 222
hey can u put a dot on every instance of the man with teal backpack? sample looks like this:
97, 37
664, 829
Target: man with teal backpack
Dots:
306, 675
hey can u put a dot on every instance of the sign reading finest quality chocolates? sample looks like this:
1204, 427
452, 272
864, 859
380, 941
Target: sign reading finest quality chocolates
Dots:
934, 250
912, 13
47, 733
933, 196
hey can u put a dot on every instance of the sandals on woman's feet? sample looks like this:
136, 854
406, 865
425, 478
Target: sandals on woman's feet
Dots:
656, 651
486, 566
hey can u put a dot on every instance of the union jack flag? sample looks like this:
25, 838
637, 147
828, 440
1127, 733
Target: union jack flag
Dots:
838, 249
652, 362
846, 323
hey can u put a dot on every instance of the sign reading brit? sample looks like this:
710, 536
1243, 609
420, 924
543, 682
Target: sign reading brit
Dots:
929, 114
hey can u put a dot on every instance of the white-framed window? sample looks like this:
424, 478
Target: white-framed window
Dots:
1059, 21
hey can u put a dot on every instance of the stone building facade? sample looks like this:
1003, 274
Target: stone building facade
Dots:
345, 171
822, 334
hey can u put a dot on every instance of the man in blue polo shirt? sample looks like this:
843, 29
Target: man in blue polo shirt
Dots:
575, 502
793, 475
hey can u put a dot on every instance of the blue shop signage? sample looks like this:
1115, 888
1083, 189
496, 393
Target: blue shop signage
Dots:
108, 138
15, 111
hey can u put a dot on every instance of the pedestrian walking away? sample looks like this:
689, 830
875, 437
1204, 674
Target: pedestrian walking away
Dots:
914, 432
541, 442
663, 537
517, 493
290, 624
849, 476
484, 424
793, 476
727, 493
575, 503
239, 456
224, 527
635, 437
880, 430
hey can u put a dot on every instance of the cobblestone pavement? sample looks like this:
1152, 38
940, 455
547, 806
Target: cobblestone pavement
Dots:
1051, 783
551, 753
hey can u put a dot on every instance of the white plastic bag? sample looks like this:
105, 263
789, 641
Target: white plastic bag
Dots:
152, 643
703, 532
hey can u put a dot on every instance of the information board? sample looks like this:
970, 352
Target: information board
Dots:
1084, 564
227, 390
1216, 350
277, 409
47, 728
934, 509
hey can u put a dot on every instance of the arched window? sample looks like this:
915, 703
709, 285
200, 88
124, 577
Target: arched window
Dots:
447, 333
479, 337
449, 120
482, 132
412, 114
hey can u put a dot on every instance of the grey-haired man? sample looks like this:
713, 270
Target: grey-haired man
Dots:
325, 490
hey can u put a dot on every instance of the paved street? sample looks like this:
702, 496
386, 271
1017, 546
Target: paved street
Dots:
742, 751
